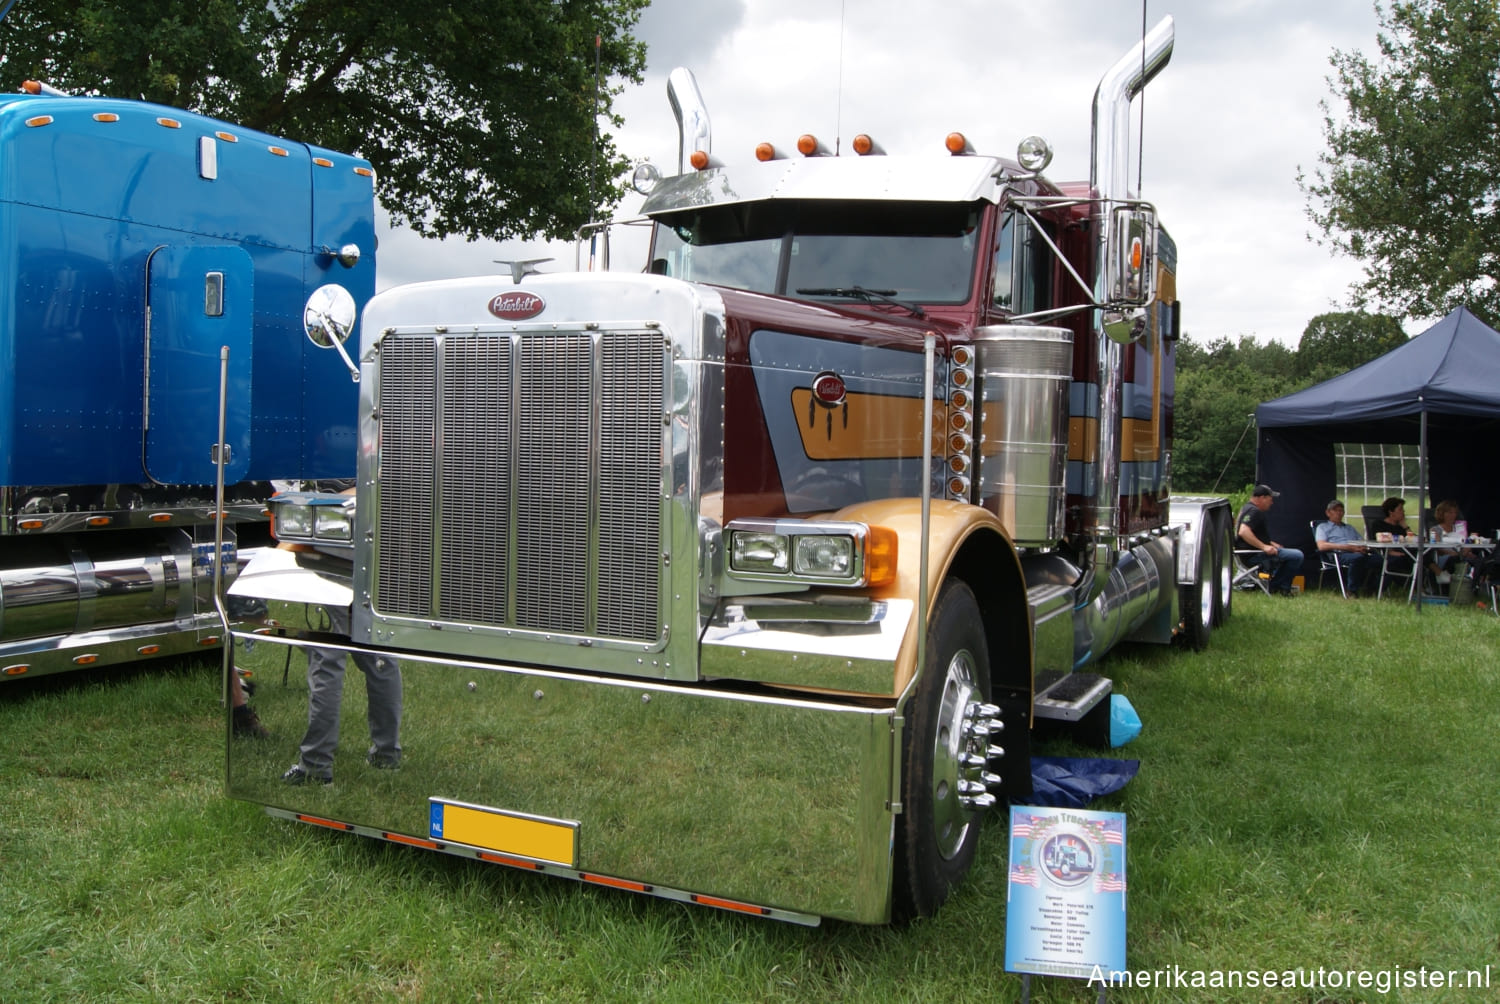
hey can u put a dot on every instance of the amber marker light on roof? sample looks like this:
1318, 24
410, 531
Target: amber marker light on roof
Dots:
169, 123
765, 152
32, 86
957, 142
39, 120
364, 172
227, 137
807, 144
322, 162
106, 117
699, 159
865, 145
278, 151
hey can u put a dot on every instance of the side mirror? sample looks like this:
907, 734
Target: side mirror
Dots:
1130, 257
329, 319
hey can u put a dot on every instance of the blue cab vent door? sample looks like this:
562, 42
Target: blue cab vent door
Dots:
201, 299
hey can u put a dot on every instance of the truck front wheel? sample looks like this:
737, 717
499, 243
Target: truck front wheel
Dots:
944, 749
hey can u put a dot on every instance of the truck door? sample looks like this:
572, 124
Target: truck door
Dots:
198, 300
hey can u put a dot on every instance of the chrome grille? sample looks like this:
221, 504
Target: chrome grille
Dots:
404, 537
542, 481
476, 475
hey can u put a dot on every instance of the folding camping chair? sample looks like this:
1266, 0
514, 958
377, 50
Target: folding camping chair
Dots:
1248, 573
1328, 561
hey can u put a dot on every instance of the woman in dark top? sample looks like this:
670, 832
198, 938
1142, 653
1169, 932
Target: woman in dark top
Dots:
1394, 522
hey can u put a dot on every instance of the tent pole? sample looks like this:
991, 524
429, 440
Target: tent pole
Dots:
1421, 568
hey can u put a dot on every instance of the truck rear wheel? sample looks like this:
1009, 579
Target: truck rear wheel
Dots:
944, 746
1198, 598
1223, 537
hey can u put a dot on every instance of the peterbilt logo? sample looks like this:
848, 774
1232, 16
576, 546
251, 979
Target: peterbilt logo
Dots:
517, 306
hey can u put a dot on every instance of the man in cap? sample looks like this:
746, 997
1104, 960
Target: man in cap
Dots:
1283, 563
1348, 548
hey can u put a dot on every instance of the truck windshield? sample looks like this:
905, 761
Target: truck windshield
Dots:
916, 252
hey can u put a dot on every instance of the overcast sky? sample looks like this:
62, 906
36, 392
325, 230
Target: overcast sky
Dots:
1228, 123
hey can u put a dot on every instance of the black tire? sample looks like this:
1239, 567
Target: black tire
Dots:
936, 834
1223, 535
1197, 600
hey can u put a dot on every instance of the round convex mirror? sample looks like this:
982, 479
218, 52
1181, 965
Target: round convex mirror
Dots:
329, 316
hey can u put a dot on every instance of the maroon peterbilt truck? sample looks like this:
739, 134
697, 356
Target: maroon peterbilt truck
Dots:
742, 581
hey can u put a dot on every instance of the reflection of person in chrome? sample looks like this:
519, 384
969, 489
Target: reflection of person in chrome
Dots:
325, 693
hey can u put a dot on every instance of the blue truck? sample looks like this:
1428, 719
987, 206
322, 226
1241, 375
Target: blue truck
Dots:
151, 255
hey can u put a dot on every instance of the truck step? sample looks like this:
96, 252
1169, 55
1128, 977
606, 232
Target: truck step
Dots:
1072, 697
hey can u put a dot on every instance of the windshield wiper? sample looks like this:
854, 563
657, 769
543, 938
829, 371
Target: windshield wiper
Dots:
867, 295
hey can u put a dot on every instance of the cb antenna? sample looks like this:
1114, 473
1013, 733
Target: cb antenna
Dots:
838, 115
1140, 149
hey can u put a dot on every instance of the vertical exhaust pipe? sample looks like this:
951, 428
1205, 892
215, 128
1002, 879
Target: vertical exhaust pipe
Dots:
1110, 180
694, 132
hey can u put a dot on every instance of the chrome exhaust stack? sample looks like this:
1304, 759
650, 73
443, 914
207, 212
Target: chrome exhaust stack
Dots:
1110, 181
694, 132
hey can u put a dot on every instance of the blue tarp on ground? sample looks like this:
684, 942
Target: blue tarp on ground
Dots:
1072, 782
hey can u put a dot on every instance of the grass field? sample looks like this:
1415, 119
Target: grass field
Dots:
1316, 791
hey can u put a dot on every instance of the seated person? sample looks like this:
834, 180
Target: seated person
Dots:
1393, 522
1283, 563
1360, 568
1440, 560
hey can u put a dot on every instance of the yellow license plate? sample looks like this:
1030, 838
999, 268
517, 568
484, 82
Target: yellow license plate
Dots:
537, 837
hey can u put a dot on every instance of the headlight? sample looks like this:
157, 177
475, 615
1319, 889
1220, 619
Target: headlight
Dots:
313, 517
333, 523
294, 520
811, 552
825, 556
750, 551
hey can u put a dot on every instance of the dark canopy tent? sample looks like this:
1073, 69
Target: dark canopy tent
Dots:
1446, 380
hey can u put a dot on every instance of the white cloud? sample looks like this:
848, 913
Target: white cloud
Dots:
1227, 123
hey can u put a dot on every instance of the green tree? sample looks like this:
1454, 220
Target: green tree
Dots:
1407, 184
478, 116
1338, 342
1218, 388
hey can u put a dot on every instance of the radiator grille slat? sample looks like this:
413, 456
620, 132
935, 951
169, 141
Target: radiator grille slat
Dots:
544, 512
476, 477
404, 537
630, 487
552, 483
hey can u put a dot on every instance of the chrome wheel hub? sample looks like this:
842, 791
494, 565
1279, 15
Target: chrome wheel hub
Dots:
961, 753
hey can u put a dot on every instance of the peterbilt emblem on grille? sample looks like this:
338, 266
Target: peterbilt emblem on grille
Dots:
517, 305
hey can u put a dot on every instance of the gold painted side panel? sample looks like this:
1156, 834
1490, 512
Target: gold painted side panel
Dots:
865, 426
